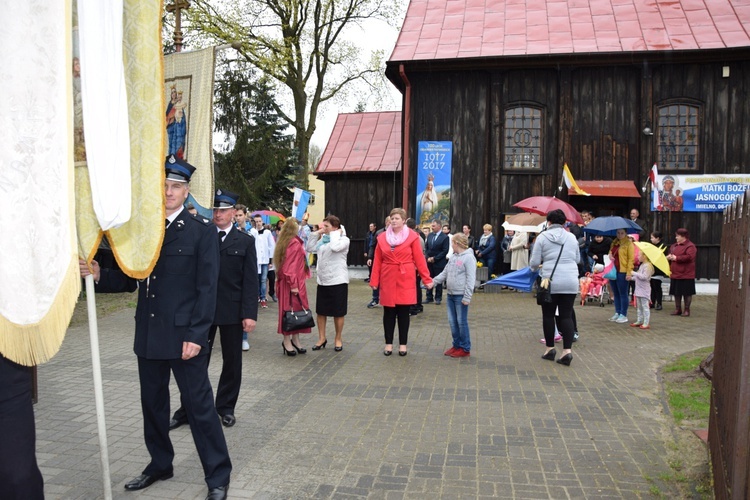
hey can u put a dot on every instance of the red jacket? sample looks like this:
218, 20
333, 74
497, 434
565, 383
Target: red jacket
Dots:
393, 270
684, 267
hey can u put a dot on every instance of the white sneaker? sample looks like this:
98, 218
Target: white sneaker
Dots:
614, 318
622, 319
245, 345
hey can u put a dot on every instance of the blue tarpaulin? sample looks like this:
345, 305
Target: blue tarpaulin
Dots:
523, 279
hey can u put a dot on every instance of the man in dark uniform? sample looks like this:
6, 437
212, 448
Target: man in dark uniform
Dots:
20, 478
437, 246
176, 307
236, 306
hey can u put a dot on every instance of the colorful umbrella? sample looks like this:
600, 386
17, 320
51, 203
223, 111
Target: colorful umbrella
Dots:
525, 222
608, 226
268, 216
543, 205
655, 256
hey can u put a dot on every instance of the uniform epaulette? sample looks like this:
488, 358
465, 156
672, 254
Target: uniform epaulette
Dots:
202, 220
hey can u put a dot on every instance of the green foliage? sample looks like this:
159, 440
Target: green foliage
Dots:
260, 164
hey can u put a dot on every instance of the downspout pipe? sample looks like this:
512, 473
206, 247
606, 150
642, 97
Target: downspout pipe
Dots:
406, 138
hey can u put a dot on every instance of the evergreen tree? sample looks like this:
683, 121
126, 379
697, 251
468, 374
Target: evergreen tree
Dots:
260, 162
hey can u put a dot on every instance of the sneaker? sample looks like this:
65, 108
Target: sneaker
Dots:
636, 324
450, 351
263, 304
460, 353
575, 336
644, 327
614, 318
245, 345
622, 319
373, 303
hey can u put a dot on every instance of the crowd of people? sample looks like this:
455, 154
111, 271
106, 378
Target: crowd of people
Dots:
213, 276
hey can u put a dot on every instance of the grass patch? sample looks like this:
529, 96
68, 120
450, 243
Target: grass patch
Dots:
688, 395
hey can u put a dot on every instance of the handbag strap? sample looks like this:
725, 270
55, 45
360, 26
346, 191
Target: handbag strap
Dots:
291, 297
558, 260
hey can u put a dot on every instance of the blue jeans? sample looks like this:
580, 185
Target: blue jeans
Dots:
458, 318
620, 292
489, 263
262, 278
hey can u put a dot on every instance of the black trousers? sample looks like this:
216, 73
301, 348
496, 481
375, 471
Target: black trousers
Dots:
562, 302
230, 380
271, 283
656, 293
438, 289
418, 305
20, 478
197, 399
390, 314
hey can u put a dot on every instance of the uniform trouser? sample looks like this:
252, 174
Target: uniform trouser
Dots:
20, 478
197, 398
230, 380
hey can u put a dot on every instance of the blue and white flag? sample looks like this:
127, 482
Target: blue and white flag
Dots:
299, 205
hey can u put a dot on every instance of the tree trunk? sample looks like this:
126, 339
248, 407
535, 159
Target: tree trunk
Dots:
707, 366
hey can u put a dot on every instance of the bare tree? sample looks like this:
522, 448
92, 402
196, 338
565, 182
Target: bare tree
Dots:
301, 45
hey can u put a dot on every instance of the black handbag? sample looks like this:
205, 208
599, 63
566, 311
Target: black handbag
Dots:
296, 320
543, 295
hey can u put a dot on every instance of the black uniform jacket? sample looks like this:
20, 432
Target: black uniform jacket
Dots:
437, 246
237, 297
177, 302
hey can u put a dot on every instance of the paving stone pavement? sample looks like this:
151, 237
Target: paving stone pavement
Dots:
502, 423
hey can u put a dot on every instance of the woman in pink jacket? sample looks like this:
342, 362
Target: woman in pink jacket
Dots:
397, 255
291, 273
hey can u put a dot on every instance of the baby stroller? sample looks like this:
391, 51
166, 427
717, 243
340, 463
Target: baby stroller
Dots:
594, 287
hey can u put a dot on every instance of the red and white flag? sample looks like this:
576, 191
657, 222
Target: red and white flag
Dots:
653, 175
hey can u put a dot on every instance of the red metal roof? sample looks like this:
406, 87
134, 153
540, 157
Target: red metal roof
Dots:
454, 29
363, 142
622, 189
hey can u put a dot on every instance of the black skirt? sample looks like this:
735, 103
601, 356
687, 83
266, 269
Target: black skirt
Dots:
332, 300
682, 288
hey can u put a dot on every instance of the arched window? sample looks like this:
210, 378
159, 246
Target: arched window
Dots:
523, 138
678, 134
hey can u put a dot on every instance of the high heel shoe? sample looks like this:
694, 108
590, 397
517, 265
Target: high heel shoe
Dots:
300, 350
338, 348
288, 353
403, 353
565, 360
317, 347
550, 355
386, 352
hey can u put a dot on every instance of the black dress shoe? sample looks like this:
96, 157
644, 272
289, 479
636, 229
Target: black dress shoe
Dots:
144, 481
550, 355
658, 307
437, 302
219, 493
175, 423
228, 420
565, 360
428, 301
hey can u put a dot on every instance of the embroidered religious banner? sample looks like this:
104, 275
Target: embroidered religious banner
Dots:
188, 91
434, 159
39, 278
136, 243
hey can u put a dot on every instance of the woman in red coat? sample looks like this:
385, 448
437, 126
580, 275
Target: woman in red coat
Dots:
681, 259
397, 254
291, 273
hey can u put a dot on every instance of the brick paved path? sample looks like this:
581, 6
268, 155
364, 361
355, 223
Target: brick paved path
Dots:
500, 424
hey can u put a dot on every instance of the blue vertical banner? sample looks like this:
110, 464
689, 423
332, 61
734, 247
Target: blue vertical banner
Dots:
434, 160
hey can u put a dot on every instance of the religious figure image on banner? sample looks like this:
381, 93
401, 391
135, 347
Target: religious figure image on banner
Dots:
177, 120
434, 160
670, 196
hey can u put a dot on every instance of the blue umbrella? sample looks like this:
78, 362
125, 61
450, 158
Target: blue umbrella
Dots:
608, 226
523, 279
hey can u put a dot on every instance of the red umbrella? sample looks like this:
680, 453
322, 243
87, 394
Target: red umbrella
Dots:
543, 205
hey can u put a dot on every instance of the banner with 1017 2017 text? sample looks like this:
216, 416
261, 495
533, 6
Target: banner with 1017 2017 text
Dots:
434, 161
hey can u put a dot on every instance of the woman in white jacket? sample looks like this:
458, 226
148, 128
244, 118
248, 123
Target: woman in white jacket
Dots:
332, 246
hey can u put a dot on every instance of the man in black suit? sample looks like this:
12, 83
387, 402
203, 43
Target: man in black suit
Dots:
236, 306
20, 478
437, 247
176, 307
